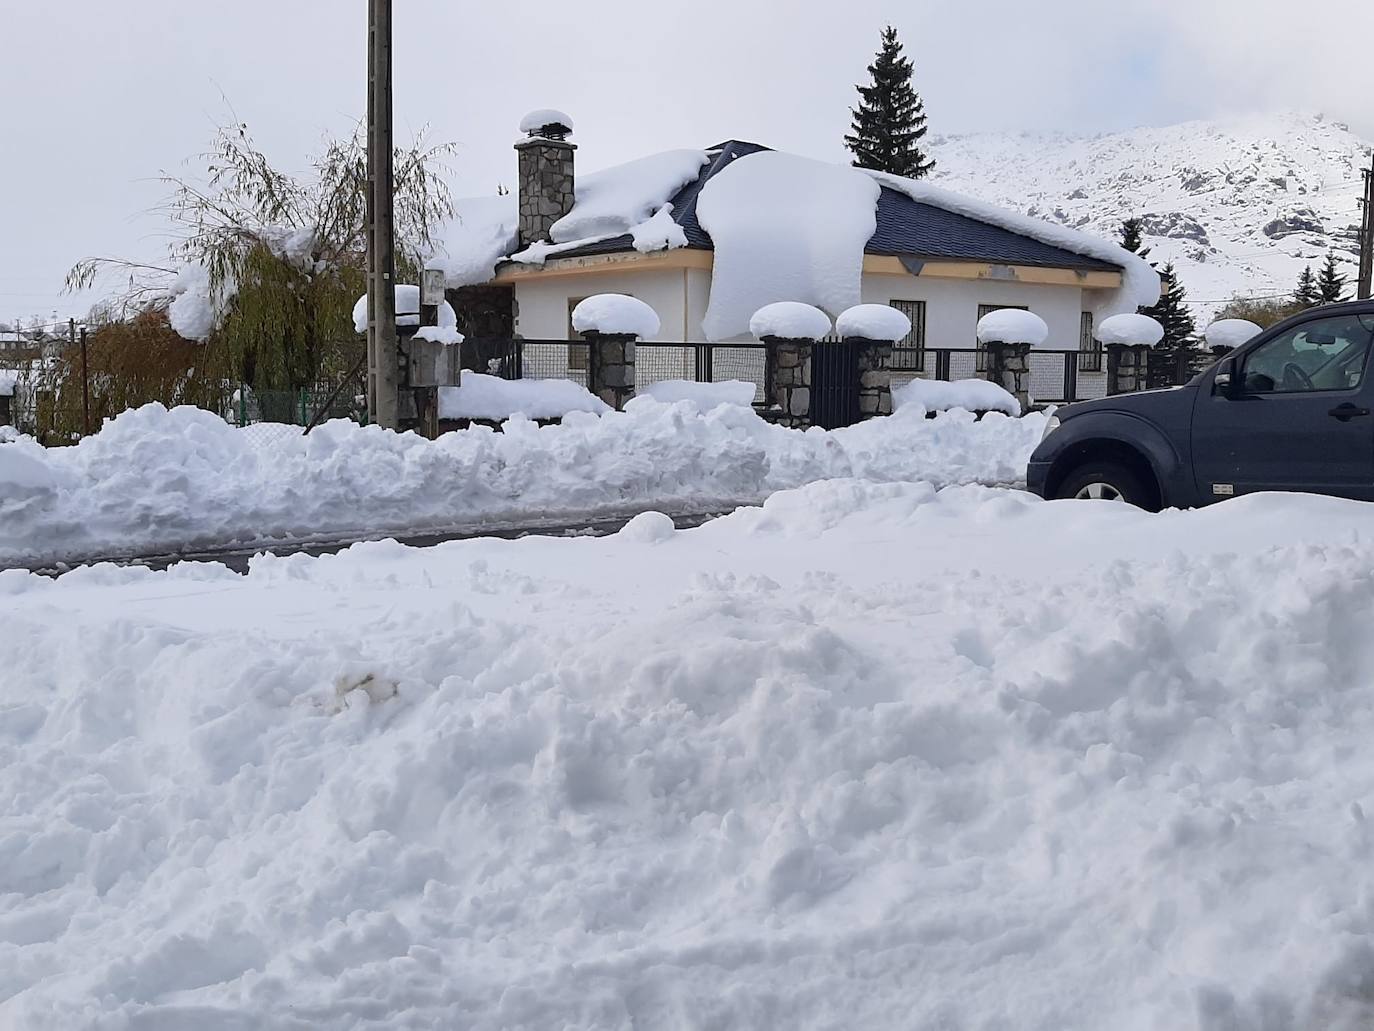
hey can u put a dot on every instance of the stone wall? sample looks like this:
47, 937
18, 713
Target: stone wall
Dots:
1128, 368
875, 377
611, 367
545, 187
1008, 366
788, 381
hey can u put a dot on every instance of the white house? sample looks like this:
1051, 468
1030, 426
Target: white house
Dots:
707, 237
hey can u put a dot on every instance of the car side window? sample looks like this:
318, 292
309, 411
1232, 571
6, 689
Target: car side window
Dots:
1324, 354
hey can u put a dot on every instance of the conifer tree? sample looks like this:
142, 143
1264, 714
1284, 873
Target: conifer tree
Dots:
1131, 232
1330, 283
890, 120
1180, 332
1306, 294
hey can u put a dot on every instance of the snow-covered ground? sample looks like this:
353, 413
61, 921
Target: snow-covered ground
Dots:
157, 481
869, 756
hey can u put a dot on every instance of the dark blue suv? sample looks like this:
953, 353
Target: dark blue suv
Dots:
1288, 410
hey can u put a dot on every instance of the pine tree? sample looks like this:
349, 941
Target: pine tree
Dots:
1306, 294
1131, 237
890, 120
1330, 283
1179, 345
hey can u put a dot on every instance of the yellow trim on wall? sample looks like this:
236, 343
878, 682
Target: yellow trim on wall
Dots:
556, 268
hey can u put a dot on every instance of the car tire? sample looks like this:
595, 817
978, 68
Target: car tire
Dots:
1105, 481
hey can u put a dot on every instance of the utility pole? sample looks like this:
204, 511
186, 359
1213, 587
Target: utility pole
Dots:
85, 387
1362, 286
383, 359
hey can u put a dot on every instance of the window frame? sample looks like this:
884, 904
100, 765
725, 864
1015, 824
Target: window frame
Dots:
1244, 360
914, 340
1090, 348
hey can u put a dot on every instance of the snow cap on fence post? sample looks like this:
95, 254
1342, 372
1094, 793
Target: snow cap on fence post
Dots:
1225, 335
873, 329
1128, 338
1008, 334
611, 323
789, 330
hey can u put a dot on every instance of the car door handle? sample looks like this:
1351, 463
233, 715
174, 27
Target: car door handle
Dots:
1345, 412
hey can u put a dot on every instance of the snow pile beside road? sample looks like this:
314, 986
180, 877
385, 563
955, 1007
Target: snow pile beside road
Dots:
703, 395
154, 480
491, 397
973, 395
867, 757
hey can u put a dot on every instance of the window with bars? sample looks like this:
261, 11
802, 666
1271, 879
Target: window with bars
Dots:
1091, 358
909, 354
988, 309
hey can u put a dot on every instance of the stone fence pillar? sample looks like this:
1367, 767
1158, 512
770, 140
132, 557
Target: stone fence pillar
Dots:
875, 376
787, 380
611, 367
1008, 366
1128, 368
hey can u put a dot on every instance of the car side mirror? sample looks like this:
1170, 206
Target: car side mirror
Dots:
1224, 382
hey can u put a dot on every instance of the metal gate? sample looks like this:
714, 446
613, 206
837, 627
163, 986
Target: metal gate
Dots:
835, 384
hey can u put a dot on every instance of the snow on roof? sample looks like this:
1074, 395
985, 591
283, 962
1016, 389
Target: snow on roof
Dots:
538, 119
873, 322
1131, 329
785, 228
1140, 282
482, 233
407, 310
1012, 326
790, 320
659, 233
1231, 332
615, 200
615, 313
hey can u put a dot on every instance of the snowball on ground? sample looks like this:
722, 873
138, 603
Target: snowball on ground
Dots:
867, 757
192, 312
439, 335
973, 395
482, 231
1012, 326
541, 117
704, 395
407, 309
1140, 283
785, 228
614, 201
491, 397
659, 233
873, 322
1131, 329
790, 320
154, 480
617, 314
1231, 332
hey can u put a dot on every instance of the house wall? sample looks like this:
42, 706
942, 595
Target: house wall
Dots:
542, 304
952, 305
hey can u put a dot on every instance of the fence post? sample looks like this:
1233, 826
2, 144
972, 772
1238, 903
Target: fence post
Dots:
1071, 377
875, 376
787, 385
1008, 366
611, 366
1128, 367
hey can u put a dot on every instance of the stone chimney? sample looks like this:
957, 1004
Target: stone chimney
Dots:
545, 189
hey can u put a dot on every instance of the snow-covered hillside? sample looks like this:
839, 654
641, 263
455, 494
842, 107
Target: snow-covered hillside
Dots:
1240, 205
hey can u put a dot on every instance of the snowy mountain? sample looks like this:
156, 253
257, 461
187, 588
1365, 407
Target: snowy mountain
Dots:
1239, 205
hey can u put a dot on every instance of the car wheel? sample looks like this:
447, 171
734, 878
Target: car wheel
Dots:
1104, 481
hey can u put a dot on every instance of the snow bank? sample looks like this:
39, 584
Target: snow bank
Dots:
192, 313
873, 322
1140, 283
615, 313
491, 397
1231, 332
785, 228
614, 201
790, 320
973, 395
154, 480
1013, 326
1131, 329
407, 310
867, 757
483, 231
542, 117
704, 395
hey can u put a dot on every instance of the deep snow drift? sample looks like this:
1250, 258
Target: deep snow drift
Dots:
154, 480
867, 757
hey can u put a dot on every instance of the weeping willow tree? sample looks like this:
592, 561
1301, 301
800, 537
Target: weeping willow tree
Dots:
283, 255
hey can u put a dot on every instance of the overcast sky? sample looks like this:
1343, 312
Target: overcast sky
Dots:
99, 97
